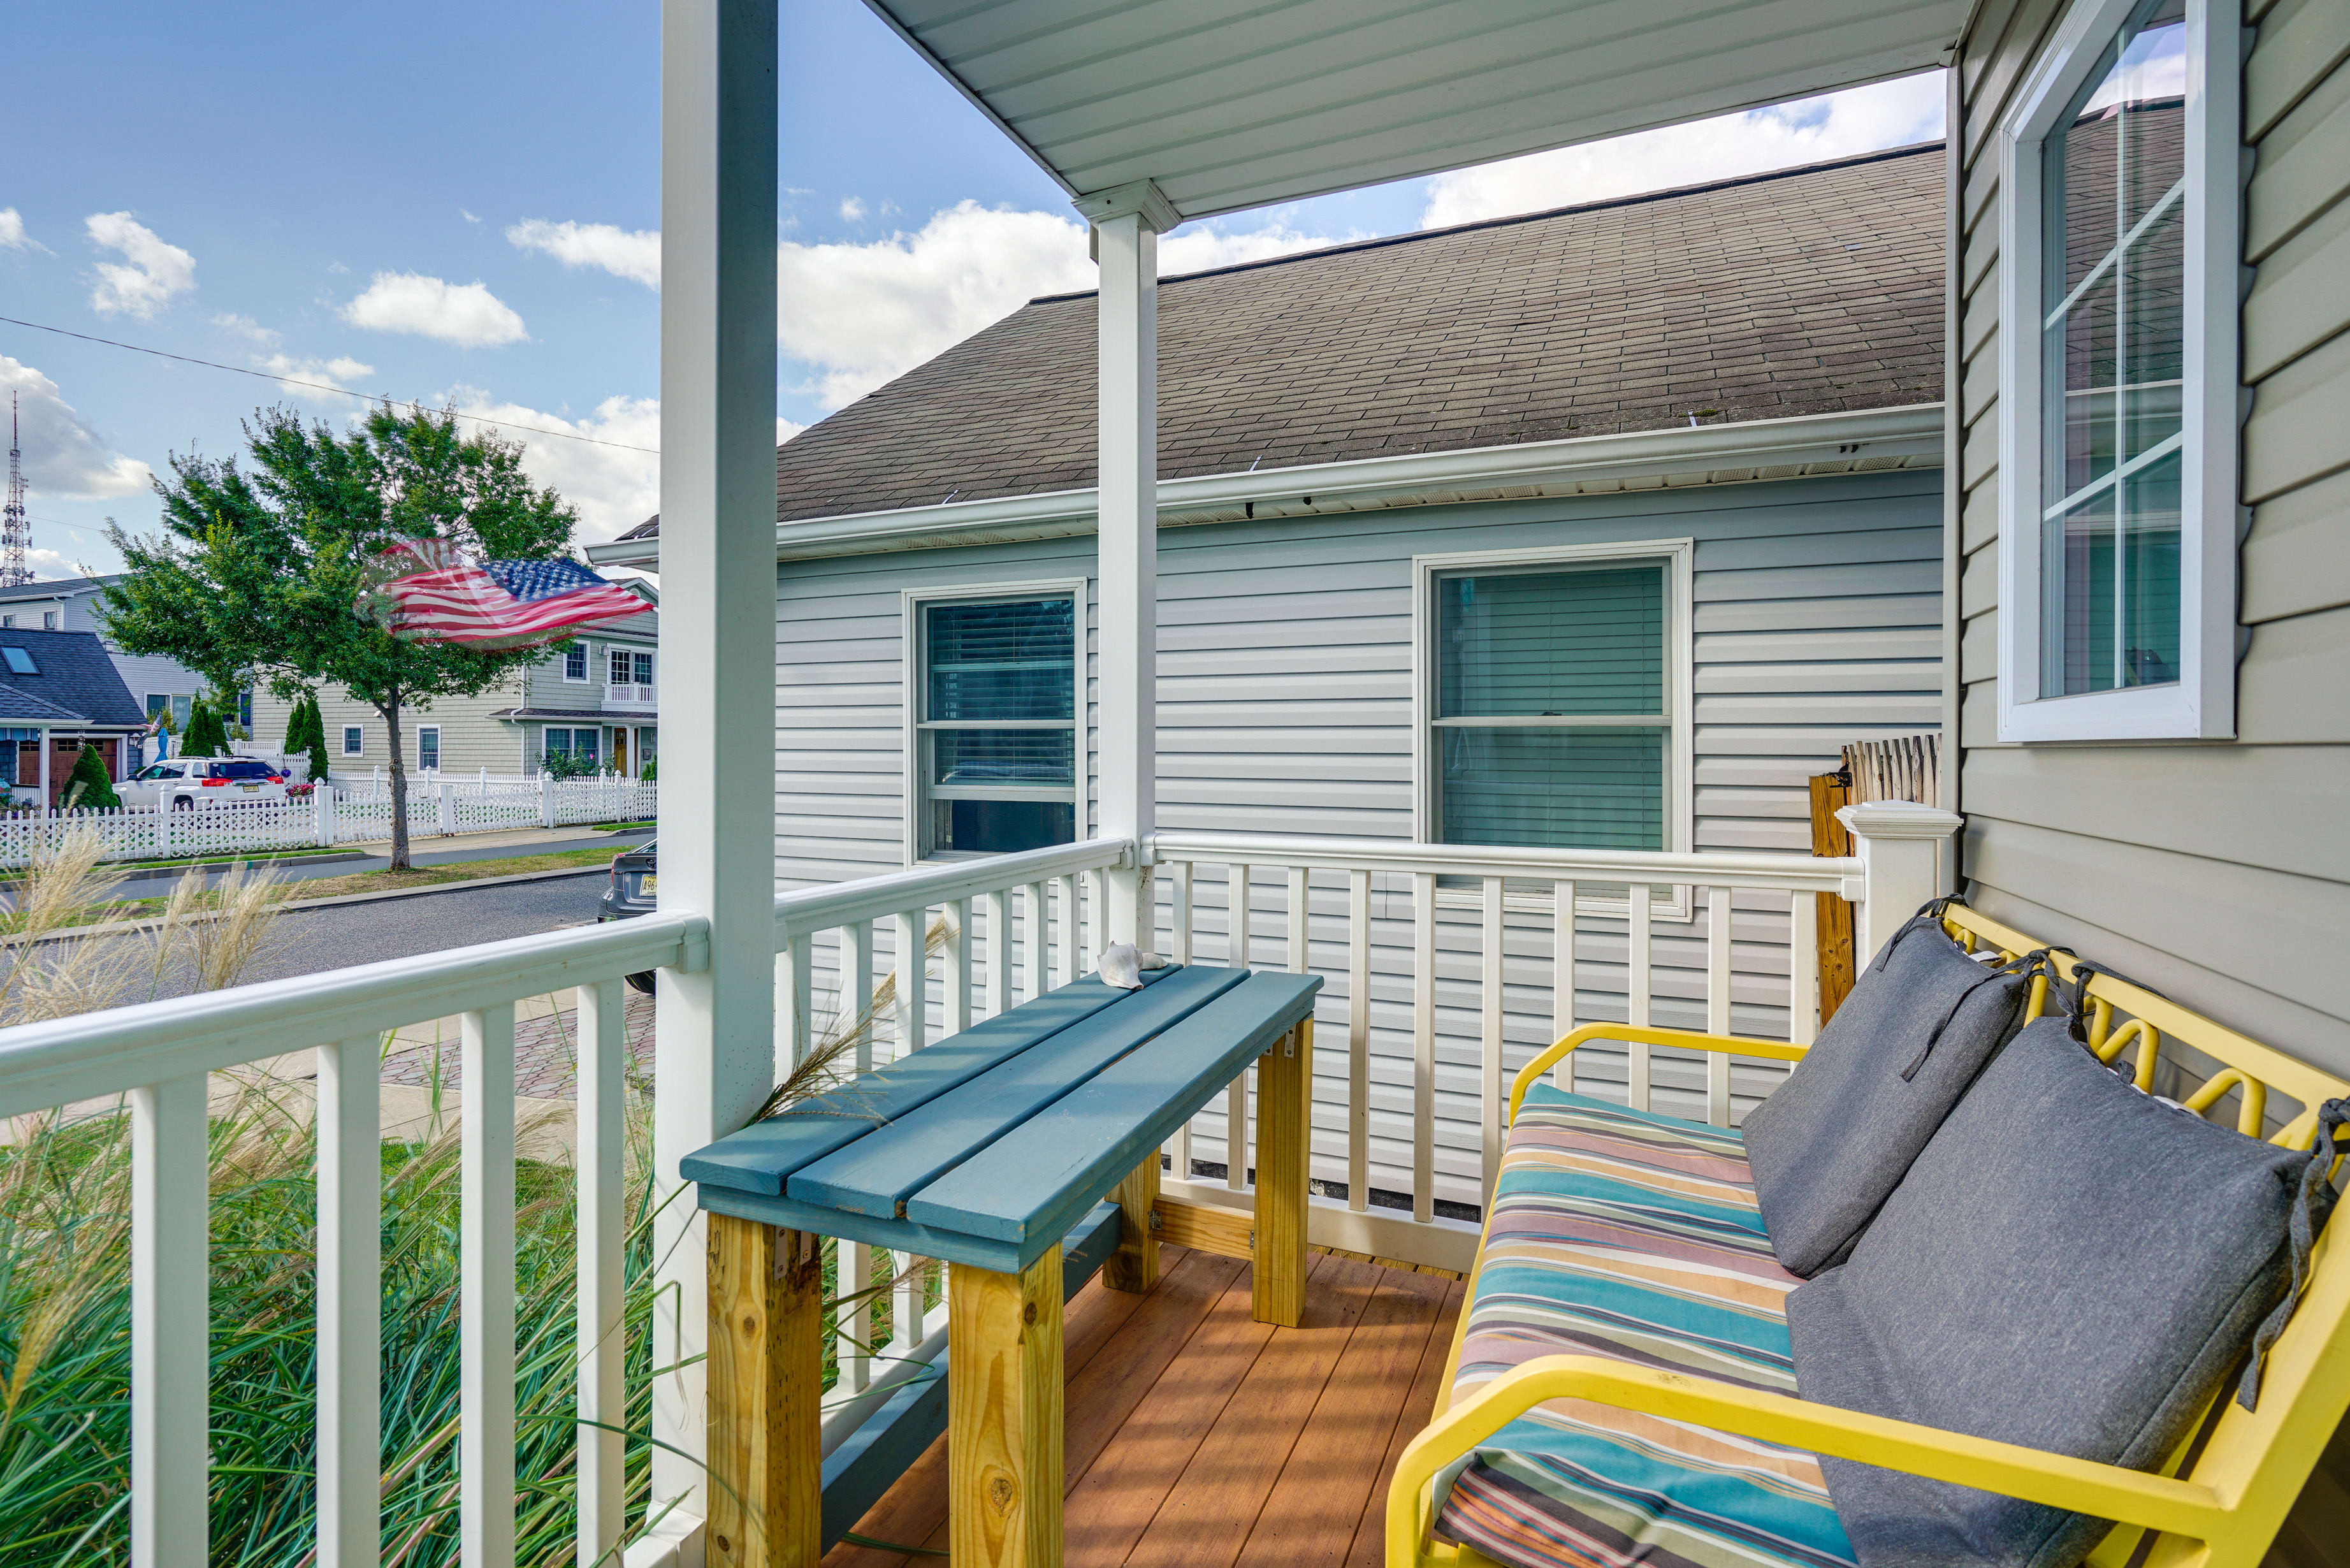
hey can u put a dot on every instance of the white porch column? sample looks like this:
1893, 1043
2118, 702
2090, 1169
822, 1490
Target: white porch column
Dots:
1126, 223
714, 1054
1900, 848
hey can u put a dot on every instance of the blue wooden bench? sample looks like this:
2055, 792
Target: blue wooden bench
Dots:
989, 1150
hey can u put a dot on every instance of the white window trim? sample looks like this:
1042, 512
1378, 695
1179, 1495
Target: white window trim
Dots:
2201, 704
587, 676
349, 730
1681, 662
909, 707
435, 731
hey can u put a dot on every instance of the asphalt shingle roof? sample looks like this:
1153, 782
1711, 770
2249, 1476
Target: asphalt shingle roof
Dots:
77, 679
1809, 291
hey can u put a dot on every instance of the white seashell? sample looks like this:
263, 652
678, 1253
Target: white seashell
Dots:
1122, 965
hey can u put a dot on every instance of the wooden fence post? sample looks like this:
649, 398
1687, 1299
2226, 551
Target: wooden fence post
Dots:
1830, 793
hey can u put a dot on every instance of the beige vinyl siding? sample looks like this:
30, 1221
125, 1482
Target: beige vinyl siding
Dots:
470, 739
1284, 706
2199, 819
2218, 871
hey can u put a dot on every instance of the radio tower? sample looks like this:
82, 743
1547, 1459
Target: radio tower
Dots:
15, 533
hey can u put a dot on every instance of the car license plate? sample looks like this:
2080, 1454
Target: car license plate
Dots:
648, 885
248, 788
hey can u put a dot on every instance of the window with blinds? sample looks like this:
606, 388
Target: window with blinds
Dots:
1552, 718
996, 725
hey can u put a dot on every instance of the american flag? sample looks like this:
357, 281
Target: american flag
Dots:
438, 597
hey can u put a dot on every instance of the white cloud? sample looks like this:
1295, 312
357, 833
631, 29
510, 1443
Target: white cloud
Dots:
786, 428
13, 236
852, 208
150, 273
634, 254
246, 327
50, 565
465, 314
614, 489
860, 314
64, 457
467, 216
333, 372
1199, 249
1835, 125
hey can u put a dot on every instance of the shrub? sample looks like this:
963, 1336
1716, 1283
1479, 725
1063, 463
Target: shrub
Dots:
564, 765
86, 787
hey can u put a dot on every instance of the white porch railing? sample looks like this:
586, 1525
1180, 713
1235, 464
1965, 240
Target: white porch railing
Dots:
1548, 935
1448, 967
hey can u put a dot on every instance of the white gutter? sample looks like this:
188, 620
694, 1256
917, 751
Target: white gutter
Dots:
1758, 449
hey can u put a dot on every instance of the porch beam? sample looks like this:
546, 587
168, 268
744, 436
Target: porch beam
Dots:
1127, 223
714, 1043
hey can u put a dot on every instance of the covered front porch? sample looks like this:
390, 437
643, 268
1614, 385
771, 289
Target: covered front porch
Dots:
1194, 1432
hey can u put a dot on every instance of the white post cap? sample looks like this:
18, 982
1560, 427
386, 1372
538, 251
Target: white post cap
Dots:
1899, 819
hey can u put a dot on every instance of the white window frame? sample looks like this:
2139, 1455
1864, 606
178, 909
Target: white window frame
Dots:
433, 730
628, 664
349, 750
913, 684
2201, 704
1679, 557
587, 662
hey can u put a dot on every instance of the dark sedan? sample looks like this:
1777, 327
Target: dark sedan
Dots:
630, 893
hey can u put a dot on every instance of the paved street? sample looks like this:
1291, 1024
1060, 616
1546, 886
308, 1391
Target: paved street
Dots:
308, 940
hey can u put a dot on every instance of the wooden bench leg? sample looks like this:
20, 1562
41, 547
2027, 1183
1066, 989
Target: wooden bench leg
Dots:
1282, 1076
1003, 1416
766, 1382
1134, 1267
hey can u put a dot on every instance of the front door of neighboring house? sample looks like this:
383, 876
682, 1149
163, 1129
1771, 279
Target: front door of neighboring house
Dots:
620, 751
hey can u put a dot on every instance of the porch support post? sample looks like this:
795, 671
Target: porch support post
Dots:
1902, 866
1127, 223
714, 1047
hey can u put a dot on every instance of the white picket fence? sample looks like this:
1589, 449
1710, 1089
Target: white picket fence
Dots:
348, 812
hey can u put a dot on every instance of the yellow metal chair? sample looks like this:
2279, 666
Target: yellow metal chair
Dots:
2216, 1505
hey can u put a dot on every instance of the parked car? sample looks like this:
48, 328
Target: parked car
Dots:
630, 893
189, 782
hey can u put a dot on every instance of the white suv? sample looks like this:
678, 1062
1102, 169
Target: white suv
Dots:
192, 781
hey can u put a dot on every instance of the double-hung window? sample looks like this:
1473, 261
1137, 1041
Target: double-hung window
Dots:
428, 747
1554, 699
2118, 373
620, 666
575, 661
996, 735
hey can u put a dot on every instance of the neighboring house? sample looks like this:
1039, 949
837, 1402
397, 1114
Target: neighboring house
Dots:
158, 685
59, 691
1601, 528
597, 699
1672, 460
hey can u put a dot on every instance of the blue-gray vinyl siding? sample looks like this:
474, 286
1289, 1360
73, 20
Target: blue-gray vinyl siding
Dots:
1285, 706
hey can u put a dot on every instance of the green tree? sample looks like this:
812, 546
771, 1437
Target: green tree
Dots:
205, 737
317, 741
261, 561
86, 787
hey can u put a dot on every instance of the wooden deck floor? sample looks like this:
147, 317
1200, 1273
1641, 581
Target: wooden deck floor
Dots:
1196, 1437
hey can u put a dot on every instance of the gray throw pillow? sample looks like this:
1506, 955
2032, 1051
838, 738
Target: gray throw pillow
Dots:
2072, 1265
1831, 1142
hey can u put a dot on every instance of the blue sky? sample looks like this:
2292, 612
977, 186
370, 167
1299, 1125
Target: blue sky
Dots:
460, 206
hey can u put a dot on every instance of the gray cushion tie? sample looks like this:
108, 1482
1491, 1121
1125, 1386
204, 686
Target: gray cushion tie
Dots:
2311, 1205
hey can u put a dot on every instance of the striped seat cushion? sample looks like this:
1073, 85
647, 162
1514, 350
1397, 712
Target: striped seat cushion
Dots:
1635, 1237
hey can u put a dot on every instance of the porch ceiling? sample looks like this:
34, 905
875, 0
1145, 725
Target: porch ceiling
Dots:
1230, 104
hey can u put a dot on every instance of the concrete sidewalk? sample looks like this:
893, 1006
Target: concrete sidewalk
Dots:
420, 843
